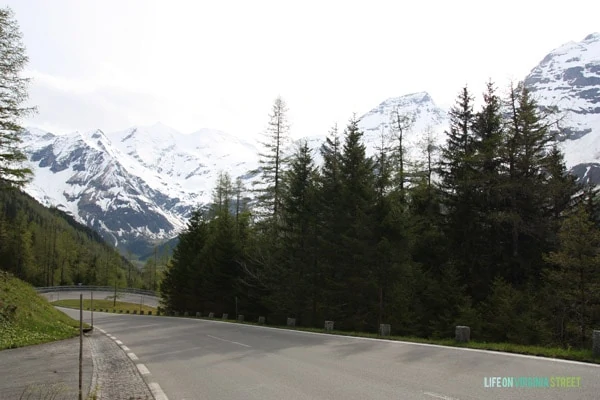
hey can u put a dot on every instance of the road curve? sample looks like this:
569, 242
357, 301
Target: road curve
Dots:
199, 359
101, 295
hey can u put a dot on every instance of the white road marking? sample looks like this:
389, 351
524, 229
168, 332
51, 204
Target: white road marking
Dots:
229, 341
119, 342
112, 337
142, 368
440, 396
157, 391
102, 330
132, 356
125, 348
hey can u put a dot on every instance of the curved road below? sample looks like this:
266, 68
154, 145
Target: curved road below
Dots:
200, 359
151, 301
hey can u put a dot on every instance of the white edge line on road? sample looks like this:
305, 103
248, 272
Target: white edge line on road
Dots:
439, 396
142, 368
230, 341
125, 349
157, 391
119, 342
496, 353
132, 356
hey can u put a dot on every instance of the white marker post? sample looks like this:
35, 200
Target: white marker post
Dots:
92, 307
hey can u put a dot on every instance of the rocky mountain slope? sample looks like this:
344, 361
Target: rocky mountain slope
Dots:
140, 184
568, 79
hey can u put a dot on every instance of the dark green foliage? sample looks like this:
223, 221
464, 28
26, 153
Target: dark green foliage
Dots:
46, 247
13, 93
487, 237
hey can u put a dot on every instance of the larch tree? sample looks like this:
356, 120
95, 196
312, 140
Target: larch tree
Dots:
13, 93
273, 161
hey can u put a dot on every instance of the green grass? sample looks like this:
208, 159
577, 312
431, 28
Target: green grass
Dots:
104, 305
26, 318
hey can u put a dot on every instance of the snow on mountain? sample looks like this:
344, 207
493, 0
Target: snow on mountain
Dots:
425, 117
568, 79
141, 183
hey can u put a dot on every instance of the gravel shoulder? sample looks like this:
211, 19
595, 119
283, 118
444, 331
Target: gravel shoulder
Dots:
51, 371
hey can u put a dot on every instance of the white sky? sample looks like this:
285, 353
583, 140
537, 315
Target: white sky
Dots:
112, 64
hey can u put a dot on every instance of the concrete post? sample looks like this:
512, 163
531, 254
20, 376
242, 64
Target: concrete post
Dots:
463, 334
261, 320
328, 326
198, 314
225, 316
596, 343
385, 329
186, 314
240, 318
291, 322
211, 315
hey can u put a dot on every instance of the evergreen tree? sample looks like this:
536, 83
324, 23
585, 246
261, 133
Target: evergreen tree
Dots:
300, 282
575, 275
458, 171
400, 124
13, 93
272, 160
358, 298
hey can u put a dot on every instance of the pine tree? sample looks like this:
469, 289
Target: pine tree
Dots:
300, 281
330, 213
457, 171
400, 124
575, 277
526, 189
358, 298
272, 160
13, 93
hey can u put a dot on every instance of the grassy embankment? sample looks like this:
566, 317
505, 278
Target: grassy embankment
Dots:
26, 318
105, 305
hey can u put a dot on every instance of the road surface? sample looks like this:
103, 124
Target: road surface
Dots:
199, 359
99, 295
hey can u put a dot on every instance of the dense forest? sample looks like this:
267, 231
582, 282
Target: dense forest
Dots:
42, 246
47, 247
488, 231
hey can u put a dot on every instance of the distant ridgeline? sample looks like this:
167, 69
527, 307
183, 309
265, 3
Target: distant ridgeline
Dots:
46, 247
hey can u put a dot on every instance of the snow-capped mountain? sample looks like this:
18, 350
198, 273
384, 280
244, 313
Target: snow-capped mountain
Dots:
141, 183
568, 78
135, 185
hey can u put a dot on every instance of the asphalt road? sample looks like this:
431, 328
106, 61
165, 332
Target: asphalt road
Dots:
126, 297
198, 359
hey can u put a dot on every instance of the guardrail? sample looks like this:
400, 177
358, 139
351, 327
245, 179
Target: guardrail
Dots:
50, 289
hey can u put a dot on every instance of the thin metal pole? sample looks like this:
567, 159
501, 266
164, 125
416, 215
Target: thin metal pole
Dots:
92, 308
80, 345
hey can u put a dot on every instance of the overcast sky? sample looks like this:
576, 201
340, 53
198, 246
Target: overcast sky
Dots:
220, 64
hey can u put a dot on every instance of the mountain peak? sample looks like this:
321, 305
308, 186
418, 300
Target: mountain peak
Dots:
592, 37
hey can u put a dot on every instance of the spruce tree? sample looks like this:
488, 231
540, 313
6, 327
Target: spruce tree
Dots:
13, 93
359, 295
273, 161
300, 279
574, 274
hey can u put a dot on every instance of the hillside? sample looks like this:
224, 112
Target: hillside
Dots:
47, 247
26, 318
